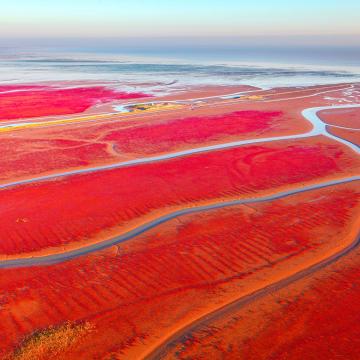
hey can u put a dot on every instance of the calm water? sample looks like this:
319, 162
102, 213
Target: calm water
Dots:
264, 67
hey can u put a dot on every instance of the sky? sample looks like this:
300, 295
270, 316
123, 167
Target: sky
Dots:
332, 20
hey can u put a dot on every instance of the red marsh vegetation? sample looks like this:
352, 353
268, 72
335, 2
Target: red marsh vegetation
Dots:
139, 292
92, 207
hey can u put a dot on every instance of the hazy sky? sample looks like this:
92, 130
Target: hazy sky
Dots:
179, 18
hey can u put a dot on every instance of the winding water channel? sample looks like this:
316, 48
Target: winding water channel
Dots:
319, 128
55, 258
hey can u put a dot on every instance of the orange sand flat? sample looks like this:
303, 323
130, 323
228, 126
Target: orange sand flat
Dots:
176, 273
342, 117
206, 91
350, 135
317, 315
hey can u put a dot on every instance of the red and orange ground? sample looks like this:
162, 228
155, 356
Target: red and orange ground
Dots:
177, 290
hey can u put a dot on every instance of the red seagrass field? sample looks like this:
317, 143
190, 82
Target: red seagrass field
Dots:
179, 180
200, 222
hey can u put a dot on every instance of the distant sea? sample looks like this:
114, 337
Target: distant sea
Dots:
262, 67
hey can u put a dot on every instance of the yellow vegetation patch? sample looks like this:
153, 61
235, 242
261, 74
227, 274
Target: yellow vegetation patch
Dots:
48, 343
154, 107
252, 97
